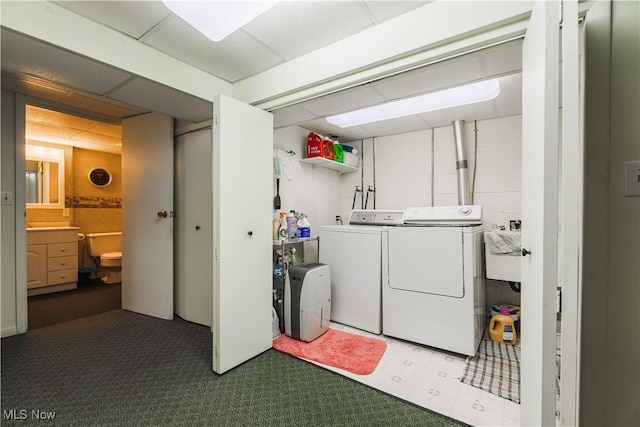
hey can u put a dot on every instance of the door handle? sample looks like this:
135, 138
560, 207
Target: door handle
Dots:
250, 233
525, 252
162, 214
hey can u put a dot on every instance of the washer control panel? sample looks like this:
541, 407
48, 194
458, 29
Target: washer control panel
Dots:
376, 217
444, 215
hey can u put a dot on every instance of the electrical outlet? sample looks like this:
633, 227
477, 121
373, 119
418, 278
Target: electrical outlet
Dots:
6, 197
632, 178
65, 212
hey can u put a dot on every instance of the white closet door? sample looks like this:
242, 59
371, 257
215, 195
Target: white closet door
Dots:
540, 83
194, 227
147, 208
243, 195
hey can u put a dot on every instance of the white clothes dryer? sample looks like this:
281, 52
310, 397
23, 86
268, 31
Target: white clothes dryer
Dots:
432, 278
354, 255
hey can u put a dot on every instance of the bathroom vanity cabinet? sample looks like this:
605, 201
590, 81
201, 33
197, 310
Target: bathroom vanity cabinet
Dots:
52, 259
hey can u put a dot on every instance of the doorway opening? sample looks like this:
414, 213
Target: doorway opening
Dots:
63, 205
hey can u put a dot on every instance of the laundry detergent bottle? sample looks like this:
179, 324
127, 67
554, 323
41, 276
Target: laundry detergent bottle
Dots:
338, 153
502, 327
292, 227
304, 227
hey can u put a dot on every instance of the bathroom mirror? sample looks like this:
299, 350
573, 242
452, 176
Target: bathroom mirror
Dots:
44, 169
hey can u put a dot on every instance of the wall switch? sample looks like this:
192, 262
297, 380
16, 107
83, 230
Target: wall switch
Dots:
65, 212
6, 197
632, 178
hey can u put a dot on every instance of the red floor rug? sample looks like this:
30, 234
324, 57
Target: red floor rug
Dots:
353, 353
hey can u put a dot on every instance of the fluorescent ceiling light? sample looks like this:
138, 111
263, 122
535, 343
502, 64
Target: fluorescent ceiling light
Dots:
217, 19
455, 97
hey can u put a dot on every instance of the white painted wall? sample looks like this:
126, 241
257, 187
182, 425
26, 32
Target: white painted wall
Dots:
312, 190
403, 169
8, 216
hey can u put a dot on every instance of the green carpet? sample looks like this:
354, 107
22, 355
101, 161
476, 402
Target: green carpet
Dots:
124, 369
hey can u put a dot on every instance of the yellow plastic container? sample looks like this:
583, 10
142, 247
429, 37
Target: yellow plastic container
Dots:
502, 328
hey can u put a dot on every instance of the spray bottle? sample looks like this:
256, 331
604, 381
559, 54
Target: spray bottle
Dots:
282, 230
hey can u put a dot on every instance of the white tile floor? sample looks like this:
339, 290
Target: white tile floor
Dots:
431, 379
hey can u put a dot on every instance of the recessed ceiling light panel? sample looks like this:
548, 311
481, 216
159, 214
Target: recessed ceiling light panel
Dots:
217, 19
463, 95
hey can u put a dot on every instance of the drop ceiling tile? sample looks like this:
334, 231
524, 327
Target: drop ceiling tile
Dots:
27, 56
156, 97
323, 127
33, 129
344, 101
469, 113
396, 126
33, 87
106, 129
383, 10
294, 28
431, 78
97, 138
102, 108
235, 57
290, 115
133, 18
55, 118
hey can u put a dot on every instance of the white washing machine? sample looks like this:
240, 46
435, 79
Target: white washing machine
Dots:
432, 278
354, 255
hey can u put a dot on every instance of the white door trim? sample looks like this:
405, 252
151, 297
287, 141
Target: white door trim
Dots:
22, 314
571, 190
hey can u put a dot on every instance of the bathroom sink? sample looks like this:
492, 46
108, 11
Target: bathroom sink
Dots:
49, 225
51, 228
45, 225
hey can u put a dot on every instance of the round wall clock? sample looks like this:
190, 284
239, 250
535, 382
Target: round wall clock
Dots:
100, 177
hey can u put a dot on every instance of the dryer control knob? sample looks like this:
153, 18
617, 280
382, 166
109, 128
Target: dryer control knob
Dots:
464, 210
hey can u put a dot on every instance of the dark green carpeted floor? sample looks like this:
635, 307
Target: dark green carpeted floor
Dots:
124, 369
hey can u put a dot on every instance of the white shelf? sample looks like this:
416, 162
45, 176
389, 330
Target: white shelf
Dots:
329, 164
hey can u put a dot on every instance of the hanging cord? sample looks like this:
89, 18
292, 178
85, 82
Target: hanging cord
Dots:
373, 147
475, 160
433, 153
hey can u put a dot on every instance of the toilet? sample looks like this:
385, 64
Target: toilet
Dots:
108, 248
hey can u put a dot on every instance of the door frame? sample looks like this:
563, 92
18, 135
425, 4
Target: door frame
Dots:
572, 191
22, 314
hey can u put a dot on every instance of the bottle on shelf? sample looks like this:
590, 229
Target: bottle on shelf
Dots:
314, 145
278, 271
282, 230
338, 153
327, 148
304, 227
292, 226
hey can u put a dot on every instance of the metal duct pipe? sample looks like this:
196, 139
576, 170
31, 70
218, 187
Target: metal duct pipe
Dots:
464, 197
